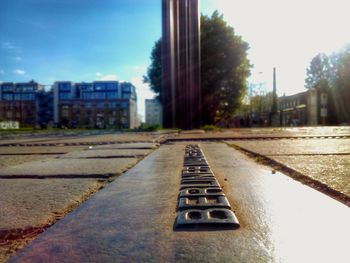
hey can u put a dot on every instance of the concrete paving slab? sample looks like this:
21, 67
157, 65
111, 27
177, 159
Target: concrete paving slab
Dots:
266, 132
332, 170
42, 150
69, 168
106, 153
30, 206
36, 203
296, 147
25, 140
118, 137
11, 160
325, 160
132, 219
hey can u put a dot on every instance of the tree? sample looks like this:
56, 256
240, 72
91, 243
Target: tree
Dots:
332, 74
224, 69
154, 71
341, 80
318, 75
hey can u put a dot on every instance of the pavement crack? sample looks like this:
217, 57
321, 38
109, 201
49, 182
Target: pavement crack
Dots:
309, 154
59, 176
30, 154
107, 157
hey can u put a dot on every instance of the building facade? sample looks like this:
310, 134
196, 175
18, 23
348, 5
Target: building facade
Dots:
24, 103
306, 108
100, 104
154, 114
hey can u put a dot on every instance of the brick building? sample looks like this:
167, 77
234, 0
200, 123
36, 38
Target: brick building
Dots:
22, 103
100, 104
310, 108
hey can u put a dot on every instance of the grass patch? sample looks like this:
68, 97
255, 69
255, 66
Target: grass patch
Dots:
210, 128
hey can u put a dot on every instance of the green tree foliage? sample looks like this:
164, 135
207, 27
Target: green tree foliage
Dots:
332, 73
224, 69
341, 88
319, 72
154, 71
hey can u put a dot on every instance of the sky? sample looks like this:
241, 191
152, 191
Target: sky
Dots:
87, 40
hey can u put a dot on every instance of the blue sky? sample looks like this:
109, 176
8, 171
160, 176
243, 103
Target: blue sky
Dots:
86, 40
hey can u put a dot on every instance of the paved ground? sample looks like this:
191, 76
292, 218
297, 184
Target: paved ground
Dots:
325, 160
69, 175
266, 132
132, 219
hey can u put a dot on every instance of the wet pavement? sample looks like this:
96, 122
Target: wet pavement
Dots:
325, 160
132, 219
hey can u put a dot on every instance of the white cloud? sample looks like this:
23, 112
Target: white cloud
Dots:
141, 69
19, 72
109, 77
143, 92
8, 45
101, 76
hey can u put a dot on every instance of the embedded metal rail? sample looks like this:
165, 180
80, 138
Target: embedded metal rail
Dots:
201, 201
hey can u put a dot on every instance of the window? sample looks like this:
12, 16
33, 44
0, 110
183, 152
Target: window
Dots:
64, 86
87, 96
88, 105
111, 95
124, 105
64, 96
30, 96
112, 86
7, 88
112, 105
7, 96
100, 105
28, 88
126, 89
99, 95
86, 87
126, 96
17, 97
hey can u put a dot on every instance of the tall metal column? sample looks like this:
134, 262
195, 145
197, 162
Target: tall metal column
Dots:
181, 64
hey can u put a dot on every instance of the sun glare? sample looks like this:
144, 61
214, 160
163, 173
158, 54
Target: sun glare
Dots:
286, 35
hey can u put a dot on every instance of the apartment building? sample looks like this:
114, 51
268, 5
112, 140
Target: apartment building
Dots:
26, 103
100, 104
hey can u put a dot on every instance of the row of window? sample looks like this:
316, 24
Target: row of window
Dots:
11, 96
18, 89
94, 96
89, 87
100, 105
